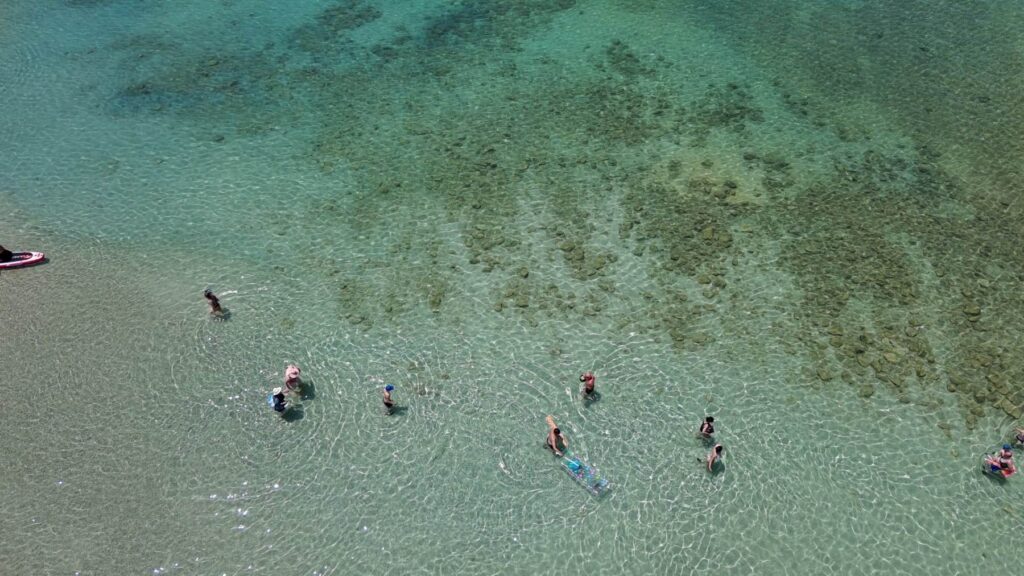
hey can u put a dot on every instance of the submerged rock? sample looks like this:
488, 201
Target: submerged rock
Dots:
1011, 410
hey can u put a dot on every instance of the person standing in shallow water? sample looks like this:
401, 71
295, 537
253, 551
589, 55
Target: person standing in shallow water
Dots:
214, 302
588, 380
714, 456
292, 377
707, 427
278, 401
555, 437
389, 403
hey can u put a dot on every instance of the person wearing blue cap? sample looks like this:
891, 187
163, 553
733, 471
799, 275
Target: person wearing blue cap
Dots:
1002, 463
389, 404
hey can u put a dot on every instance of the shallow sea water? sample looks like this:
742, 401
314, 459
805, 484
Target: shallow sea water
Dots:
477, 201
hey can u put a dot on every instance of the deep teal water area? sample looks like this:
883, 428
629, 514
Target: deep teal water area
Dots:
803, 218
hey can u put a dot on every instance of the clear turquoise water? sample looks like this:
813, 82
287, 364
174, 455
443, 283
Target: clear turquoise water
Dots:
704, 203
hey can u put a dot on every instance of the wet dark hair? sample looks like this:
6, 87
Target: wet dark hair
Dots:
719, 448
709, 419
209, 294
557, 431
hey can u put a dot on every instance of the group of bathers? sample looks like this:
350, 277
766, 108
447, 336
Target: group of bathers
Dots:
1001, 463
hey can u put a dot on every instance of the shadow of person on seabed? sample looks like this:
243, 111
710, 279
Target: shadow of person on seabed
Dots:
293, 414
395, 410
306, 389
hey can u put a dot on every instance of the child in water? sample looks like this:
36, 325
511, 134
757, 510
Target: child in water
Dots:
389, 404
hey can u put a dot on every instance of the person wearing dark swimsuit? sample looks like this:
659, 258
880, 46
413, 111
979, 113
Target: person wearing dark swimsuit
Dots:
211, 298
280, 405
555, 437
714, 456
389, 404
707, 427
588, 380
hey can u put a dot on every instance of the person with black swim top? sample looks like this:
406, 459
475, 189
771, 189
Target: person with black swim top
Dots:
215, 307
6, 255
707, 427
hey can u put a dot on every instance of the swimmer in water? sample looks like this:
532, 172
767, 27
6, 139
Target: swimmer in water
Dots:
714, 455
279, 403
1018, 435
389, 404
215, 307
291, 377
588, 380
707, 427
555, 437
1001, 463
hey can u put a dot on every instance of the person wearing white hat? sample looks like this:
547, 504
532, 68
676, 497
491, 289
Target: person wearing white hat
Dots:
277, 400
